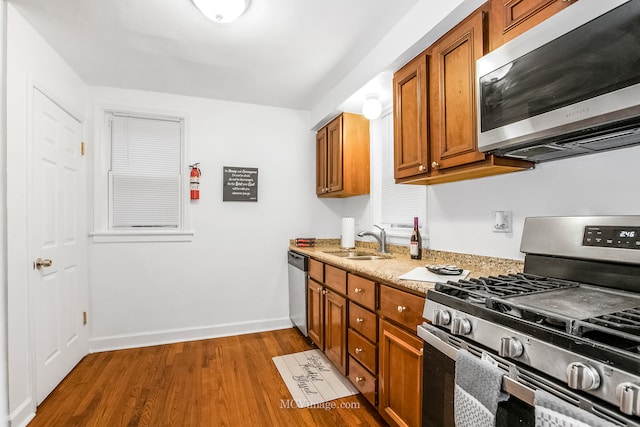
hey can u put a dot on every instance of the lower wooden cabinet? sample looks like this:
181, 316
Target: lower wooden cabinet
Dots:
315, 313
335, 332
400, 376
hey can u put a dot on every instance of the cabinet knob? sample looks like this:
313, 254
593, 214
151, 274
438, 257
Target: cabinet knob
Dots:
359, 320
421, 168
324, 292
319, 289
435, 165
359, 350
401, 308
359, 379
358, 290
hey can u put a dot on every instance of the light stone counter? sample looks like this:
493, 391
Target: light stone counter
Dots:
388, 270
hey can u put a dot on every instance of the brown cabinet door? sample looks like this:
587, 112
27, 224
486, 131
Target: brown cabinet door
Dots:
335, 337
410, 119
510, 18
400, 376
321, 161
453, 124
315, 313
334, 155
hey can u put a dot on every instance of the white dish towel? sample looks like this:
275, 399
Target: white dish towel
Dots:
478, 390
554, 412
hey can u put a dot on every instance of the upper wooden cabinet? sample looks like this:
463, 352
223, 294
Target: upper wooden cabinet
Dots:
411, 154
447, 149
454, 139
510, 18
342, 157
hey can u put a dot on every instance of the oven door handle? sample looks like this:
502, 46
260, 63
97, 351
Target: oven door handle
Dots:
509, 385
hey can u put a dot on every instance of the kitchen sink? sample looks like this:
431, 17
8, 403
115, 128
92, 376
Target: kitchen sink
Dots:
358, 255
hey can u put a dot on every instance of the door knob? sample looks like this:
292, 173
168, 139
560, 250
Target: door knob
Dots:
39, 263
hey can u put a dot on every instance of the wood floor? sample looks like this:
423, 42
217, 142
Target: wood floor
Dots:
228, 381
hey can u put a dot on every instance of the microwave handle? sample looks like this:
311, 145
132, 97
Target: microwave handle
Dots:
509, 385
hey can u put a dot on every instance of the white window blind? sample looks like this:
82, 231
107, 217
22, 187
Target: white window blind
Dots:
399, 203
145, 174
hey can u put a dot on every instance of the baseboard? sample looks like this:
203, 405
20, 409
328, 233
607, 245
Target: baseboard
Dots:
146, 339
23, 414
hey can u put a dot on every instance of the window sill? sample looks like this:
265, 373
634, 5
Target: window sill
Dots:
136, 236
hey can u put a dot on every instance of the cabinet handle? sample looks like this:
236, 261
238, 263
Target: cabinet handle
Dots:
359, 350
359, 320
435, 165
358, 290
359, 379
401, 308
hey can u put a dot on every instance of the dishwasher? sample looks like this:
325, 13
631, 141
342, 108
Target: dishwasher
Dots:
298, 268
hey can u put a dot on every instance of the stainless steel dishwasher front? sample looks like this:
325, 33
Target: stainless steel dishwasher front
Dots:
298, 276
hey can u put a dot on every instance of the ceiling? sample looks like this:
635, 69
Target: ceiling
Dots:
284, 53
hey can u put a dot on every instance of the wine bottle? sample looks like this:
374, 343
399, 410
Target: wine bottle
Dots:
415, 246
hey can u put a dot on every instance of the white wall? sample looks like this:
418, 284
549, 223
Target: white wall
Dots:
459, 214
232, 278
598, 184
30, 60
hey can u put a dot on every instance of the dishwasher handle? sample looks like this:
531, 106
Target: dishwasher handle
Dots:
298, 260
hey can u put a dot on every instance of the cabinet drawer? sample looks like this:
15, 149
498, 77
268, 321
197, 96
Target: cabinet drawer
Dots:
316, 270
335, 279
362, 291
363, 380
363, 321
402, 307
362, 350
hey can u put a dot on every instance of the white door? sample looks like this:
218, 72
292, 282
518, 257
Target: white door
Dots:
55, 239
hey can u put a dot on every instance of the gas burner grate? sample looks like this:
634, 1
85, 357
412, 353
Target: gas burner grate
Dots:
483, 289
625, 321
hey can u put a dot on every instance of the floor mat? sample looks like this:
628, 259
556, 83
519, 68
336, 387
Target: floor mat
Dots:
312, 379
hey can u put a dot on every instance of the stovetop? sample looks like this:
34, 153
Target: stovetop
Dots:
607, 316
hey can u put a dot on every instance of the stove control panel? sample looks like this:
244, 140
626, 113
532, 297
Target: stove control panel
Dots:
612, 237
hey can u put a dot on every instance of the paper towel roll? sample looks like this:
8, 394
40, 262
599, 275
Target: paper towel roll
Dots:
348, 233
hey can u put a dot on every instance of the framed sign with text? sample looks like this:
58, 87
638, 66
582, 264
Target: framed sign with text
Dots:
239, 184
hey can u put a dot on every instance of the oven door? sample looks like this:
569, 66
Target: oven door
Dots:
438, 387
440, 352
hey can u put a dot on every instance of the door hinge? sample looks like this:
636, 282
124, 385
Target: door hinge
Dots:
82, 148
84, 317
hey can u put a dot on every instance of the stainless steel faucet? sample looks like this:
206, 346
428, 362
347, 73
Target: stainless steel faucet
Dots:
382, 238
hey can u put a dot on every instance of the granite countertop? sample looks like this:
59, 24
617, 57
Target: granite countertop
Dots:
388, 270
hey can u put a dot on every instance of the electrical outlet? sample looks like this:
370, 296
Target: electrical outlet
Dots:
501, 221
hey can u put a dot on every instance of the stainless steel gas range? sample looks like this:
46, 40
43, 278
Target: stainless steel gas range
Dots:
569, 325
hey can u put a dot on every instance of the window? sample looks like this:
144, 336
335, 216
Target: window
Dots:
394, 205
140, 178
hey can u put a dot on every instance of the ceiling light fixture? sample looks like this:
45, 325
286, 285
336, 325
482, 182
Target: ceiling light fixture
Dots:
372, 107
222, 11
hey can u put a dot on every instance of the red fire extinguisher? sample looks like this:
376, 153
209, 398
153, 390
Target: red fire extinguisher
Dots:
195, 181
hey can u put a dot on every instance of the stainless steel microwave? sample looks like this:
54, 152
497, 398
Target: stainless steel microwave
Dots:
569, 86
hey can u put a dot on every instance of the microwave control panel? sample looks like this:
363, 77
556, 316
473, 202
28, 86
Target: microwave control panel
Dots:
612, 237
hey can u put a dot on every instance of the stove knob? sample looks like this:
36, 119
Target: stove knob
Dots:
628, 395
582, 377
510, 347
441, 317
460, 326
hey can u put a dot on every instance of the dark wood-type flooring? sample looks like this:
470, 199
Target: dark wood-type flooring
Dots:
229, 381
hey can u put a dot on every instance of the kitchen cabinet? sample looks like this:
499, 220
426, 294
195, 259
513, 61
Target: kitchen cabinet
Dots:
400, 357
411, 145
335, 330
342, 157
449, 115
363, 336
400, 376
510, 18
452, 88
315, 313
